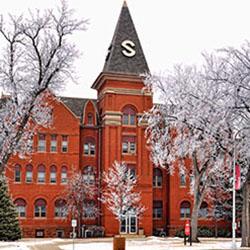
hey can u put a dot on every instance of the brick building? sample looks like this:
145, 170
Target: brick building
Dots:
88, 135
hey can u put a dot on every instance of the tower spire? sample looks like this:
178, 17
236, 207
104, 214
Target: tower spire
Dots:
125, 54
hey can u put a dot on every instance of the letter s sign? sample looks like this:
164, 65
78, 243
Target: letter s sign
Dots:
128, 50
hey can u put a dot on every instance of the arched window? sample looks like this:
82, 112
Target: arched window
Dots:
90, 119
203, 212
157, 178
29, 173
20, 207
88, 175
89, 146
52, 177
64, 176
17, 173
128, 116
185, 209
89, 209
60, 208
41, 174
40, 208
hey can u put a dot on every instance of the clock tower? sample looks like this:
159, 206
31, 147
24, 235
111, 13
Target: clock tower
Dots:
122, 99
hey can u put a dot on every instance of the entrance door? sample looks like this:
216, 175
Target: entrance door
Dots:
128, 224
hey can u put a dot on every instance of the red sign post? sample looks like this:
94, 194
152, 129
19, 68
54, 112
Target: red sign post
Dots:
187, 228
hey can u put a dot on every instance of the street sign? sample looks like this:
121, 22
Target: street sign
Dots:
73, 223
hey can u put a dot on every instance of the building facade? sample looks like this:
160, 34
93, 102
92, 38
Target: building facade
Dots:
88, 136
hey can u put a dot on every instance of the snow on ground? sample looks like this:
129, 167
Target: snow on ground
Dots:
25, 244
152, 243
149, 243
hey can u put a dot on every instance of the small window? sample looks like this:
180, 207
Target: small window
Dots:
53, 143
203, 212
131, 170
40, 208
157, 177
64, 177
182, 179
90, 120
157, 209
41, 143
60, 208
64, 143
29, 174
89, 146
17, 173
128, 145
89, 209
20, 207
52, 174
88, 175
128, 116
185, 209
41, 174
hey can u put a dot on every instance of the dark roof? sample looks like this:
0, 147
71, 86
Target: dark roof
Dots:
116, 61
76, 105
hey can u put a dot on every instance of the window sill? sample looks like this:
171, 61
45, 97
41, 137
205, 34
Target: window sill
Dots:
157, 187
158, 218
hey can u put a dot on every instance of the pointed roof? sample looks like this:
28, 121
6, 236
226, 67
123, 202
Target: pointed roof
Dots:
125, 53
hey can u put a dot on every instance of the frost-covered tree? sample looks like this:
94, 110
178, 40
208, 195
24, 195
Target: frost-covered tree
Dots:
79, 194
232, 68
119, 192
9, 225
192, 122
38, 56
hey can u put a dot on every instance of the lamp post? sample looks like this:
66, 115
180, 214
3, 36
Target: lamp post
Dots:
234, 194
234, 190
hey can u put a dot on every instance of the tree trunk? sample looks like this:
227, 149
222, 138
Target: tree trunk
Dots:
246, 216
194, 222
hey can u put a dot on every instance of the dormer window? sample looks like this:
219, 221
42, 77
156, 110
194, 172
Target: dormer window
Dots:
90, 120
129, 116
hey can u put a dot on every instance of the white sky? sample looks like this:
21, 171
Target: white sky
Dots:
170, 31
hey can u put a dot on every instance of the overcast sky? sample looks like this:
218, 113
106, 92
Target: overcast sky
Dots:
170, 31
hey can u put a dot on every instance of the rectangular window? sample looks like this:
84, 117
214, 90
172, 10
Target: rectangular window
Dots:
89, 149
185, 212
128, 145
21, 211
64, 177
157, 209
132, 119
52, 177
40, 211
41, 143
125, 119
64, 143
53, 143
29, 176
182, 180
41, 177
17, 174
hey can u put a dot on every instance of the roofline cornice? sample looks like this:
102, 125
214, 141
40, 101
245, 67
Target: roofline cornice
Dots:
103, 76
